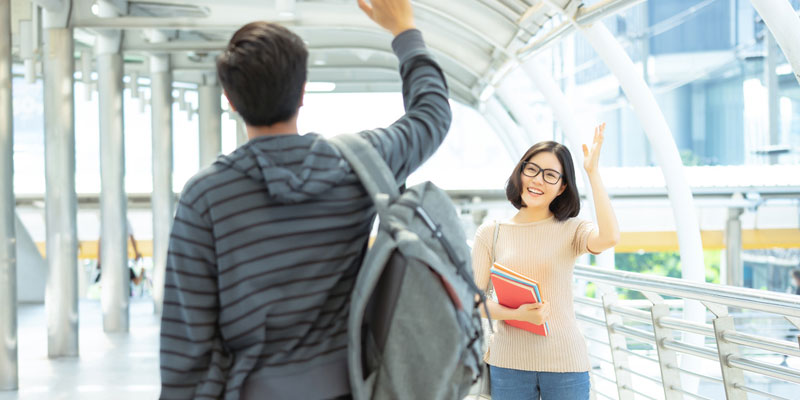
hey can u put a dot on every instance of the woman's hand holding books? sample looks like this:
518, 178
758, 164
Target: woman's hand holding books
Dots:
535, 313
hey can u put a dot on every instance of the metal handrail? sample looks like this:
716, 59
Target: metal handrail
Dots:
775, 371
631, 313
692, 350
606, 396
760, 393
643, 376
633, 333
777, 346
690, 394
638, 393
591, 320
603, 377
589, 302
688, 326
635, 354
619, 314
752, 299
695, 374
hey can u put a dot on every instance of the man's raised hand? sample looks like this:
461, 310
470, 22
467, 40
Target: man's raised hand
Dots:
396, 16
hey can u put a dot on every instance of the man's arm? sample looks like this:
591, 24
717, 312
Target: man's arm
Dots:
412, 139
192, 355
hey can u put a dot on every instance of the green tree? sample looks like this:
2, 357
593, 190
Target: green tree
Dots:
662, 264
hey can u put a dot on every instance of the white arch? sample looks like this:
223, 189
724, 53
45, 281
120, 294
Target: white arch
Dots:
666, 154
784, 23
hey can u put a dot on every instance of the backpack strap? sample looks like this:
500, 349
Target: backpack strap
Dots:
372, 171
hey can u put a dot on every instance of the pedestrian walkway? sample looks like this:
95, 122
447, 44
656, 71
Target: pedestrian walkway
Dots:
110, 366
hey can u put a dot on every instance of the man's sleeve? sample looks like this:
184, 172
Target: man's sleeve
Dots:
412, 139
193, 358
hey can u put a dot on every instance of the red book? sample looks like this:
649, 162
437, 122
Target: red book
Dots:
512, 295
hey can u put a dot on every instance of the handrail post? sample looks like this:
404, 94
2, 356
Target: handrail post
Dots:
732, 378
667, 359
618, 344
796, 323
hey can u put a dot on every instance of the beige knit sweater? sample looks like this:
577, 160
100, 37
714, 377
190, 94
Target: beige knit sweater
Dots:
544, 251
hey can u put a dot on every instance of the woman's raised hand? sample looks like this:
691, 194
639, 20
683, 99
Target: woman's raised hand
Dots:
591, 157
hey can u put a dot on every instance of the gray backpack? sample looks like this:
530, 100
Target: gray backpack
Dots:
414, 327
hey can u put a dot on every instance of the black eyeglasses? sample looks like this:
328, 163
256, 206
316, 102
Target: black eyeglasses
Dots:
550, 176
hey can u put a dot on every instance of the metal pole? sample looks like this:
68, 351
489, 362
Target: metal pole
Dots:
61, 293
511, 98
210, 110
618, 346
733, 247
670, 377
666, 154
496, 126
163, 198
8, 265
241, 131
665, 151
732, 377
784, 23
515, 139
771, 84
115, 281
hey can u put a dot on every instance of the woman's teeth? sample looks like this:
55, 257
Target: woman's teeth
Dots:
534, 191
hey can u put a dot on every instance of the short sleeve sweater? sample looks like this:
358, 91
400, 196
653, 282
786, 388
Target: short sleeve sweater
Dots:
544, 251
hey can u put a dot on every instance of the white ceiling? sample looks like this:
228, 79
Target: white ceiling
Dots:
472, 39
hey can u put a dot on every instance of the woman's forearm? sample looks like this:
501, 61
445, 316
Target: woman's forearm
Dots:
498, 312
607, 226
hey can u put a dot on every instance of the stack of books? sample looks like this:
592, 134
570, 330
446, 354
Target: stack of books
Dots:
513, 290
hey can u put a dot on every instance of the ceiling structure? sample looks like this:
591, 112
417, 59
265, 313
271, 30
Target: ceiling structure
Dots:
476, 41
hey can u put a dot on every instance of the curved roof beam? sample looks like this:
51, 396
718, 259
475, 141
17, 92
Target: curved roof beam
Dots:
584, 16
465, 26
198, 45
341, 72
307, 15
784, 23
467, 56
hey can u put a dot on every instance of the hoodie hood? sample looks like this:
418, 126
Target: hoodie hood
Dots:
293, 168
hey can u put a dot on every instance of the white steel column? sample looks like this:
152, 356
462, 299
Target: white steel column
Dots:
511, 97
162, 198
510, 133
61, 293
115, 281
666, 154
241, 131
784, 23
664, 149
734, 273
8, 263
210, 112
773, 99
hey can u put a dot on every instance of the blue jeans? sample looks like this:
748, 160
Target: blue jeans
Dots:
513, 384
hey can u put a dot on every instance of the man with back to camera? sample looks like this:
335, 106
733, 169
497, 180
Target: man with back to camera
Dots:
267, 241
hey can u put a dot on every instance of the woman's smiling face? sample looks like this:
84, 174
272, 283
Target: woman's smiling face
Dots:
537, 191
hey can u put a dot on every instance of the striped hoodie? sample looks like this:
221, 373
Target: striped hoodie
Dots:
265, 247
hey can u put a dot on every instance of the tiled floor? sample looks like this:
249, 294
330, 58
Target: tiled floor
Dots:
110, 366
